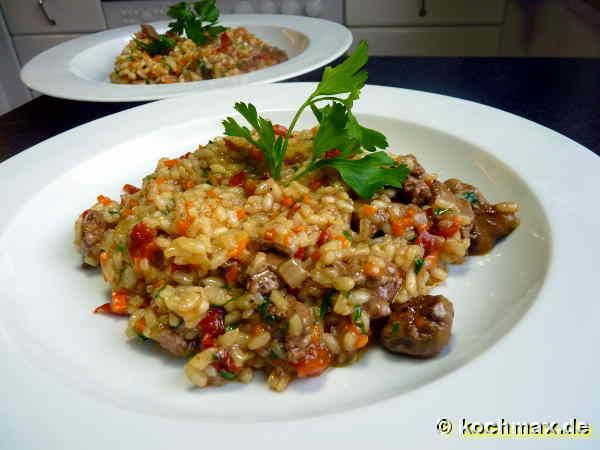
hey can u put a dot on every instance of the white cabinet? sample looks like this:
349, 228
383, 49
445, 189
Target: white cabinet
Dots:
29, 46
53, 16
419, 12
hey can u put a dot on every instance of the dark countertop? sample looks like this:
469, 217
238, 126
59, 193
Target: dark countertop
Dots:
562, 94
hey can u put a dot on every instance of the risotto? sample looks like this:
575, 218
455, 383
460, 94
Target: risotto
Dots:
217, 262
232, 52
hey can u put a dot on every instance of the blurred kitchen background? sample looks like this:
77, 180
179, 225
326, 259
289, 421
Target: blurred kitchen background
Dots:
511, 28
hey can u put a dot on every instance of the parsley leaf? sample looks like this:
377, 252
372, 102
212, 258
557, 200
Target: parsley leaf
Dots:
347, 235
325, 304
227, 375
440, 211
395, 328
365, 175
357, 318
159, 46
263, 310
198, 20
271, 147
471, 197
419, 264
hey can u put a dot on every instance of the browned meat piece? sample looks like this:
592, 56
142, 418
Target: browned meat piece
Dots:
150, 31
415, 190
262, 282
444, 192
93, 227
176, 344
490, 225
416, 169
420, 327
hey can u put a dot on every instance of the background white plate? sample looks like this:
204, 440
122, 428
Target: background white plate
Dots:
525, 313
80, 69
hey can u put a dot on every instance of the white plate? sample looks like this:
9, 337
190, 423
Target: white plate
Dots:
526, 314
80, 69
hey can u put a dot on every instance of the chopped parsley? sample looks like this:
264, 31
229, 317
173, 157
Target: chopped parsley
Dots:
160, 46
263, 310
347, 235
395, 328
419, 264
471, 197
157, 293
227, 375
120, 248
232, 326
357, 318
198, 20
142, 337
325, 304
274, 355
440, 211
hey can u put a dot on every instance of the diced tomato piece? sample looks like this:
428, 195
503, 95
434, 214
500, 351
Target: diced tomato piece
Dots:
280, 130
118, 302
225, 41
315, 184
140, 236
231, 274
324, 237
104, 200
332, 153
300, 253
447, 228
249, 187
213, 322
226, 362
105, 309
317, 359
287, 201
428, 241
130, 189
238, 179
208, 340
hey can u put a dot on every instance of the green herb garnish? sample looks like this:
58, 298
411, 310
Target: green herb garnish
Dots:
419, 264
263, 310
160, 46
338, 130
120, 248
273, 355
325, 304
440, 211
227, 375
347, 235
157, 293
471, 197
357, 318
395, 328
198, 20
232, 326
142, 337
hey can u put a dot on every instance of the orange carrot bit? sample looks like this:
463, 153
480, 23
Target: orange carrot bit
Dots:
315, 255
362, 340
241, 246
269, 235
240, 213
211, 193
118, 303
103, 257
287, 201
231, 274
306, 199
299, 228
104, 309
139, 326
345, 242
104, 200
130, 188
369, 210
398, 227
371, 269
188, 184
160, 180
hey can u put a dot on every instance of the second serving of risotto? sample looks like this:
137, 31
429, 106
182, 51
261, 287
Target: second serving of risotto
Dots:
238, 265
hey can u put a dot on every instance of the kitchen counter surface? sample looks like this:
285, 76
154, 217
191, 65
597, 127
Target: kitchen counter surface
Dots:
561, 94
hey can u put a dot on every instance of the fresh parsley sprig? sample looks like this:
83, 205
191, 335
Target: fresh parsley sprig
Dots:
159, 46
198, 20
339, 129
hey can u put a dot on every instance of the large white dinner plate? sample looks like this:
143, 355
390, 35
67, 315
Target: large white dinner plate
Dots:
79, 69
526, 321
